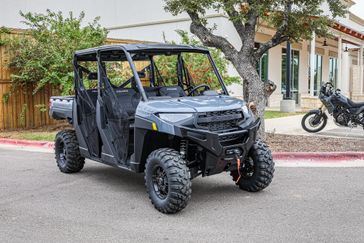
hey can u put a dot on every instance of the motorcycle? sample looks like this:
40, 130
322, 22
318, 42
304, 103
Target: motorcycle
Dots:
344, 111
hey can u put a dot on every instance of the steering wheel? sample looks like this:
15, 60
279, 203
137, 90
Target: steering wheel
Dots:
194, 89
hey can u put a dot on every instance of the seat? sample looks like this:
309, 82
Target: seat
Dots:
128, 99
355, 104
172, 91
93, 95
151, 91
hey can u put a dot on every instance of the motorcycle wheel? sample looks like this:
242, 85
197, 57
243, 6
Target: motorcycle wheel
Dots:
313, 122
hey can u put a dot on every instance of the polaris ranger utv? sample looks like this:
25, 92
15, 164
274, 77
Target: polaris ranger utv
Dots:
147, 108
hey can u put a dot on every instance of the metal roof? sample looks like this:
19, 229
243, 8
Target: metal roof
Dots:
143, 48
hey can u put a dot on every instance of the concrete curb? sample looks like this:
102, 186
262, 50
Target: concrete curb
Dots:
27, 143
290, 156
321, 156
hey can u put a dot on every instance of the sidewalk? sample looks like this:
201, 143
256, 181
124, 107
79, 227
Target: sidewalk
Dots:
291, 125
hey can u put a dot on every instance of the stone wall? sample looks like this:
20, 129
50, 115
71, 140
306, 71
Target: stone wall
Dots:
309, 102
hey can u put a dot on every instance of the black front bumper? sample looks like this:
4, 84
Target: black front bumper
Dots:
218, 153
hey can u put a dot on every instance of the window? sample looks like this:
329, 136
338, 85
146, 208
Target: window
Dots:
262, 66
333, 70
295, 65
317, 74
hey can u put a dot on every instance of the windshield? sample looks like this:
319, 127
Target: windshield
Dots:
191, 69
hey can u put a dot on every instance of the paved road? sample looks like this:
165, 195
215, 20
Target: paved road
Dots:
292, 125
40, 204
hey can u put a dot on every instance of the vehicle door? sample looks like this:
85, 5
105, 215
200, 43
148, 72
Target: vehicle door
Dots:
113, 106
85, 115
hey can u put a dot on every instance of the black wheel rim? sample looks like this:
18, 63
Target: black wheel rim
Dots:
160, 182
315, 121
247, 170
62, 154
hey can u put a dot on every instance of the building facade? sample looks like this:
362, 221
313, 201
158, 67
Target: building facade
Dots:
338, 59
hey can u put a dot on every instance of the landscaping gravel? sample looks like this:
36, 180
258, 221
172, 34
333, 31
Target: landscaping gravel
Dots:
315, 143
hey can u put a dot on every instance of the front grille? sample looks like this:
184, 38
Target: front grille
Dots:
220, 120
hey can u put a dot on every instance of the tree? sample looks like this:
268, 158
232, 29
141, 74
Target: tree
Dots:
294, 20
43, 55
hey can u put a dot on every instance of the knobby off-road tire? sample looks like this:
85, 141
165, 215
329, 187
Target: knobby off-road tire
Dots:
68, 157
167, 180
261, 174
312, 129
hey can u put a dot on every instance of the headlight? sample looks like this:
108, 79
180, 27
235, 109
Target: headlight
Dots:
245, 109
175, 117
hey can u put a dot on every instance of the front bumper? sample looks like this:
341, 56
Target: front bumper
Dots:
218, 153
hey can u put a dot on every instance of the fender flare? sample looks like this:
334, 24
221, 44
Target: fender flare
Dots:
318, 112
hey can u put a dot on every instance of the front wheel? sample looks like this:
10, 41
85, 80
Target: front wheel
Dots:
314, 121
167, 180
257, 171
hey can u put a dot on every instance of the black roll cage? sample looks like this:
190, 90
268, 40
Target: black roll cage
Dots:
96, 54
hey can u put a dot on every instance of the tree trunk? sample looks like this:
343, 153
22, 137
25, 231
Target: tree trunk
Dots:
255, 90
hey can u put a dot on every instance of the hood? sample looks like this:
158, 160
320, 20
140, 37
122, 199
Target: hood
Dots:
191, 104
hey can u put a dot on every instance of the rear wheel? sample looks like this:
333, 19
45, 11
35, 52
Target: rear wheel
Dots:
167, 180
313, 121
68, 157
257, 171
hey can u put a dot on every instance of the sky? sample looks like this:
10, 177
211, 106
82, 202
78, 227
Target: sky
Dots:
358, 8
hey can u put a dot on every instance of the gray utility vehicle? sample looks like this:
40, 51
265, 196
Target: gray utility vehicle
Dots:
147, 108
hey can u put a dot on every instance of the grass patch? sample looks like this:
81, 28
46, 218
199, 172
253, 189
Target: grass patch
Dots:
278, 114
28, 135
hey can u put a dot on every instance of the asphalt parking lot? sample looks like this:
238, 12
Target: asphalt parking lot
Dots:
40, 204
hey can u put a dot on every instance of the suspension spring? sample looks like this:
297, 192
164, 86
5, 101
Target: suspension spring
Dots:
183, 148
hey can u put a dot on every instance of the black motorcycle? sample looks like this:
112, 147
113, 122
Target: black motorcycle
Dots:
345, 112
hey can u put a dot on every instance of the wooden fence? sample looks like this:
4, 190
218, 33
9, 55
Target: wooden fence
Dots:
21, 108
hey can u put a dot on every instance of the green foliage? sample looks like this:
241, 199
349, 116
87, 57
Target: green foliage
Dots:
44, 55
198, 65
22, 115
3, 30
6, 97
306, 15
42, 107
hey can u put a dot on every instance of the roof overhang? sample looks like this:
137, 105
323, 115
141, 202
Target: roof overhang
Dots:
349, 31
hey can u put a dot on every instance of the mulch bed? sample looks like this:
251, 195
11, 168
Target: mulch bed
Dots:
299, 143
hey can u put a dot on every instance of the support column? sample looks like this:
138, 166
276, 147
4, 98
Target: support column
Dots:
346, 73
339, 63
312, 63
361, 69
